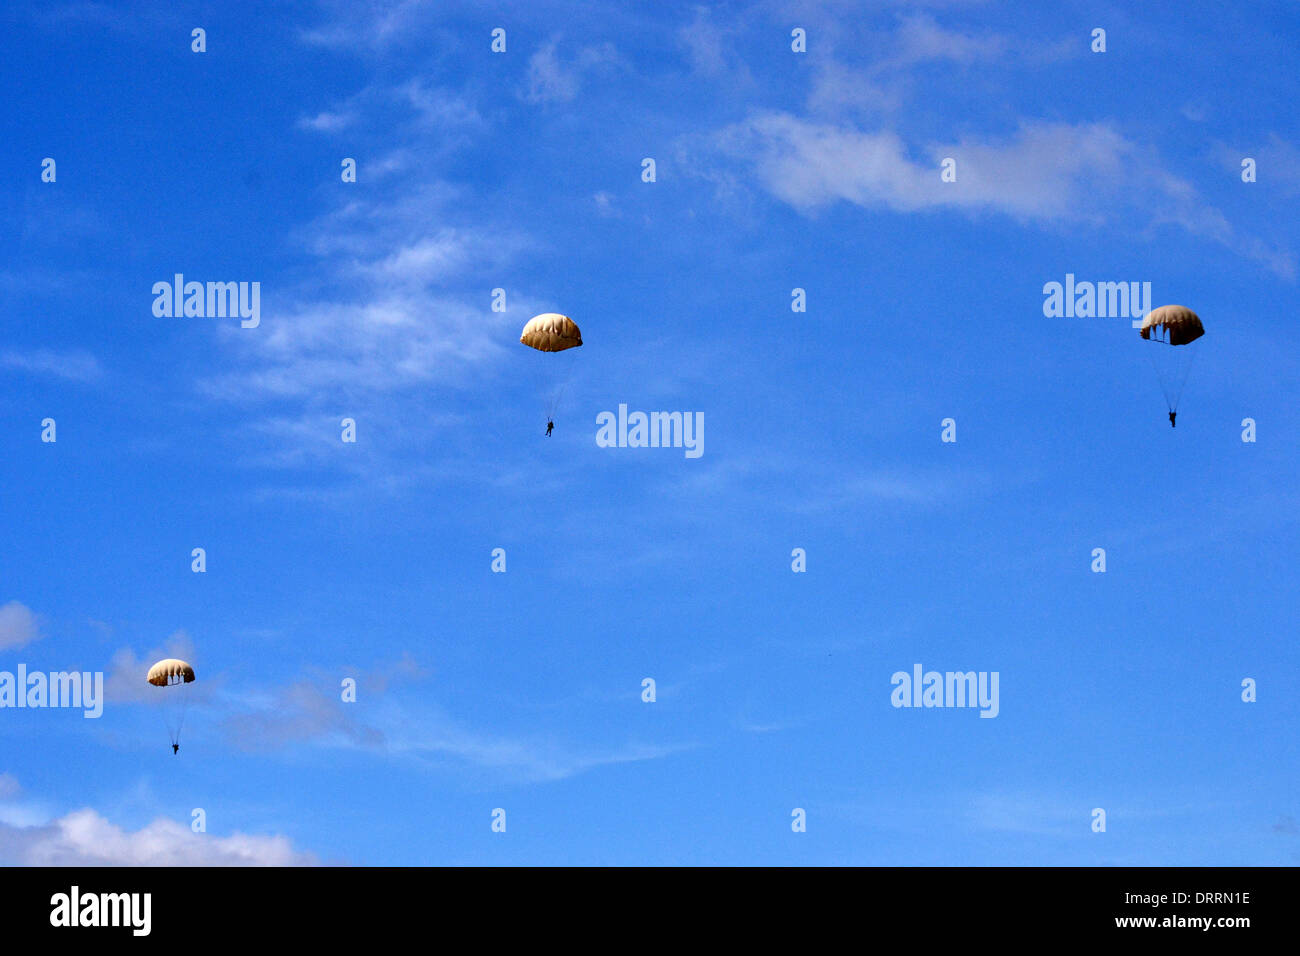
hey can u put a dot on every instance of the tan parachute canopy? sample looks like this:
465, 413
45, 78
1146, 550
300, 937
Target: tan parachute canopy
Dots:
551, 332
1180, 324
170, 671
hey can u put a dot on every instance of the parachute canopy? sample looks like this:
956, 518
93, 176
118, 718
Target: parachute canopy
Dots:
1175, 324
170, 671
551, 332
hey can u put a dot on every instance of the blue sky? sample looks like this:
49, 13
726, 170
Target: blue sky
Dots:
775, 171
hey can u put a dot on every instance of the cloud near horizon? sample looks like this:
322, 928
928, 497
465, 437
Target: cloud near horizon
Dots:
85, 838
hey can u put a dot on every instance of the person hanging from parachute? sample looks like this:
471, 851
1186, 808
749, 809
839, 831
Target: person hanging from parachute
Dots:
551, 332
1173, 325
172, 675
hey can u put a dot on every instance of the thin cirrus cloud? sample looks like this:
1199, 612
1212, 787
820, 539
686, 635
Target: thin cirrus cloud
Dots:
304, 712
525, 760
1026, 813
76, 366
309, 712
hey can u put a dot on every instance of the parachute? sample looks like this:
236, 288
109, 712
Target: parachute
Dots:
551, 332
170, 671
172, 675
1173, 325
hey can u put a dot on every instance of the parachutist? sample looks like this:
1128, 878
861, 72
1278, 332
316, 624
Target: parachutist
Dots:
173, 675
1174, 325
551, 332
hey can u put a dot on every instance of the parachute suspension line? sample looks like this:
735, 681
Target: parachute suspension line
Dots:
173, 676
180, 721
1159, 378
551, 332
555, 402
1187, 368
176, 708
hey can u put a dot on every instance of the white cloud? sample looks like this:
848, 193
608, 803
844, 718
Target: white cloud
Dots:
327, 122
18, 626
1042, 173
371, 348
1046, 173
84, 838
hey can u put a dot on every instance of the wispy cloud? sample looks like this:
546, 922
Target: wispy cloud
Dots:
77, 366
377, 347
710, 47
375, 25
310, 711
1045, 173
18, 626
534, 759
1277, 162
301, 712
1028, 813
921, 39
552, 80
328, 122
